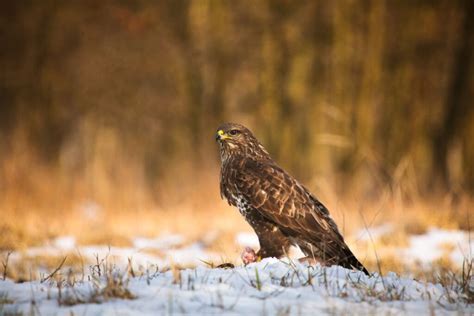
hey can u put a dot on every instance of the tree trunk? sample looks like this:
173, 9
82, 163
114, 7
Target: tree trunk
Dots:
456, 105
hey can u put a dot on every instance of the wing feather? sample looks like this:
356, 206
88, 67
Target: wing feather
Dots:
284, 201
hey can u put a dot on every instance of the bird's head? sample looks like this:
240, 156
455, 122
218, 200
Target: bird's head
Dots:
235, 139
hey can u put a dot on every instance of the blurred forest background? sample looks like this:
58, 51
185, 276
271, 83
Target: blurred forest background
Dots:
116, 102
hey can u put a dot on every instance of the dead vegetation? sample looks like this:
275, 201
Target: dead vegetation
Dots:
107, 283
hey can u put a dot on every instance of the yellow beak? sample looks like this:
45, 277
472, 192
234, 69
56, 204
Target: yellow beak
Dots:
221, 135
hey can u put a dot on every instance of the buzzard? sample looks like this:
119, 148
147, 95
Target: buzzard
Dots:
279, 208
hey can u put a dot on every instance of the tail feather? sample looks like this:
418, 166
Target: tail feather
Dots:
339, 255
350, 261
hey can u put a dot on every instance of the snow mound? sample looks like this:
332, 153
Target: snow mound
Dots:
437, 243
269, 287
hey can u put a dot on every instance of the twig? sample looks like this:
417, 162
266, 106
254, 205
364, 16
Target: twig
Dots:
5, 265
55, 270
130, 267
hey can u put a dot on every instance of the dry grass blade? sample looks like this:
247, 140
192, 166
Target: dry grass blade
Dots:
5, 265
116, 287
55, 270
207, 263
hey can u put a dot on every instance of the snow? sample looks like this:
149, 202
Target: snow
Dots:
245, 239
162, 251
269, 287
163, 242
439, 243
65, 242
435, 244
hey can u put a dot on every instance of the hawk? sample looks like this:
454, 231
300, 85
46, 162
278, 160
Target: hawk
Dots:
281, 210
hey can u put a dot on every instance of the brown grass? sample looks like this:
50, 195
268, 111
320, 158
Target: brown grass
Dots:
26, 228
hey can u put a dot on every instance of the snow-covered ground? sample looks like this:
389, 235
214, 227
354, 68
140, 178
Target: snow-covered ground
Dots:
172, 249
162, 251
436, 243
426, 248
269, 287
141, 272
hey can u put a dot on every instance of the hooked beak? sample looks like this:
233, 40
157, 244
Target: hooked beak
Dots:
221, 135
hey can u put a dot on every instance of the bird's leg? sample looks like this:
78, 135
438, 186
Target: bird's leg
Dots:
273, 243
249, 255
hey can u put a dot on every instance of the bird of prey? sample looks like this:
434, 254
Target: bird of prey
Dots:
279, 208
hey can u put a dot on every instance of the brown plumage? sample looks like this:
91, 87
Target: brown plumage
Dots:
280, 209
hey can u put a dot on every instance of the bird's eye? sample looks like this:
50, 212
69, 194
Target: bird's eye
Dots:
234, 132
